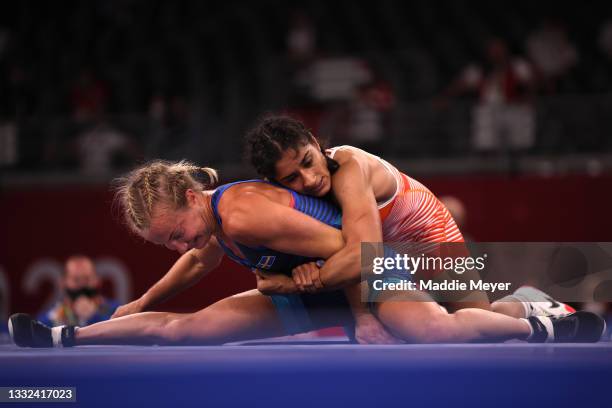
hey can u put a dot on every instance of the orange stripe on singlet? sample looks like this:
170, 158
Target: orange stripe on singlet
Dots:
386, 210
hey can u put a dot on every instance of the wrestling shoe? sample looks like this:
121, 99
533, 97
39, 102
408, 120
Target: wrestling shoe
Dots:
27, 332
579, 327
538, 303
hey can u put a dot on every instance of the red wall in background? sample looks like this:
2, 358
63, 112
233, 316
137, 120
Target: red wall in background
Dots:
43, 223
572, 208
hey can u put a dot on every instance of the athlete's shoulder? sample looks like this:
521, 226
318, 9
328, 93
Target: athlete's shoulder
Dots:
353, 162
239, 198
241, 208
345, 153
232, 194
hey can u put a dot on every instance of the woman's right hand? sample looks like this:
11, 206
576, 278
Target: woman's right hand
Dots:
307, 277
135, 306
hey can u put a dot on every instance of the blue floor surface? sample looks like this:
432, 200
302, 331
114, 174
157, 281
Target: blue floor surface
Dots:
320, 375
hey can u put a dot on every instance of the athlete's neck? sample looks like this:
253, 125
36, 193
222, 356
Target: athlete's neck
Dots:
207, 212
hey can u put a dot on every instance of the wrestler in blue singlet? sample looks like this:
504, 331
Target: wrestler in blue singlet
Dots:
294, 310
268, 259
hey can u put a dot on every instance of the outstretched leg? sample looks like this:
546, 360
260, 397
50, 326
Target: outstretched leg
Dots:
245, 316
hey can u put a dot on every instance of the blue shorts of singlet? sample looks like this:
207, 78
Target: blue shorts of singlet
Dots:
301, 313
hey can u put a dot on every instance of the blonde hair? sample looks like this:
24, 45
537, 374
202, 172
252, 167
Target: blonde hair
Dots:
158, 183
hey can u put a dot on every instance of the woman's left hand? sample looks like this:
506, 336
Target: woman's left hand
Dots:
274, 283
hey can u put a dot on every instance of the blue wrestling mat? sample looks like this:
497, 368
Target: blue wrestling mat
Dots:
320, 375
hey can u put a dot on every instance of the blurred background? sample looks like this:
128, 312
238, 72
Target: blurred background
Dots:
504, 108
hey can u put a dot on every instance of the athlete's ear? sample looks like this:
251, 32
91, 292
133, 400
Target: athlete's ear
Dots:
191, 196
314, 141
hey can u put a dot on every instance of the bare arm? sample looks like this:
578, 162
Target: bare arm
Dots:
360, 223
185, 272
256, 220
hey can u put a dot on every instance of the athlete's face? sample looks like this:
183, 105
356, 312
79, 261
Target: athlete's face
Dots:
181, 230
304, 170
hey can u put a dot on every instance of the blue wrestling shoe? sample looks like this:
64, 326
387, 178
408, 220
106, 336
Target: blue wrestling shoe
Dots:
579, 327
28, 332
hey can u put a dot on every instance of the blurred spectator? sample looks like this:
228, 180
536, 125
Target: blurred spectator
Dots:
15, 102
8, 143
301, 52
81, 304
334, 79
605, 39
368, 116
88, 96
103, 148
158, 108
504, 117
552, 53
301, 38
175, 128
457, 209
363, 121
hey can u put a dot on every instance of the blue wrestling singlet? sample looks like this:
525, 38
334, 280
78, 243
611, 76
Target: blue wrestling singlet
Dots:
268, 259
296, 311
